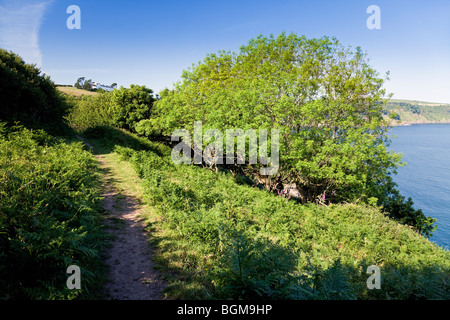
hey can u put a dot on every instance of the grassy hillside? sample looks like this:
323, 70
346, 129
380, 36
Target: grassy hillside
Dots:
411, 111
75, 92
217, 234
217, 237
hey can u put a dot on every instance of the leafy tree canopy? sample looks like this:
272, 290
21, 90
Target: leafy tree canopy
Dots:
325, 100
129, 106
79, 83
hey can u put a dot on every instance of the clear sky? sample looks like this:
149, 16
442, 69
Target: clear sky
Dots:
151, 42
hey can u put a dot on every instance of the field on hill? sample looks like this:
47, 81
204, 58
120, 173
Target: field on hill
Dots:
75, 92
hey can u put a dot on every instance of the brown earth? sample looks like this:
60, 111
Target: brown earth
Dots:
130, 257
132, 276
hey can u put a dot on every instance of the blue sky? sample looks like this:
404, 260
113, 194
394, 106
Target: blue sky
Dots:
151, 42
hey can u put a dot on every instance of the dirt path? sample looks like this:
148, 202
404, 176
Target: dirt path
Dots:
132, 276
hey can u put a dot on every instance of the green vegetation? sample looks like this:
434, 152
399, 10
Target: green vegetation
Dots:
225, 239
29, 96
129, 106
49, 216
50, 213
409, 111
89, 111
122, 108
324, 98
226, 232
326, 102
84, 84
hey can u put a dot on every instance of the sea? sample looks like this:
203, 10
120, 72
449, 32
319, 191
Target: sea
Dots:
426, 176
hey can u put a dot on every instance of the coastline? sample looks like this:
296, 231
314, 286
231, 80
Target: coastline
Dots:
409, 123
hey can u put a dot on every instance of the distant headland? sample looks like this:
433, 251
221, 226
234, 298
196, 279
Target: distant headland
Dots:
408, 112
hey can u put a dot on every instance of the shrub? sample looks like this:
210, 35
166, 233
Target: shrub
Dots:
89, 112
29, 96
123, 108
129, 106
249, 268
49, 203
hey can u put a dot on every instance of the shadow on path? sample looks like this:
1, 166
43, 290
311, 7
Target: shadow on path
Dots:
130, 257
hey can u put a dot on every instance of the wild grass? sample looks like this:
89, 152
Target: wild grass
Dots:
217, 238
75, 92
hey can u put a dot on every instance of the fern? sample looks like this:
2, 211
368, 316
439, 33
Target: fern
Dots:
49, 199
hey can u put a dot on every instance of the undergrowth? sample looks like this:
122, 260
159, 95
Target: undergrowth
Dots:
227, 240
49, 217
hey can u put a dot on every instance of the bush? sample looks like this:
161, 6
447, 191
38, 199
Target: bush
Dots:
29, 96
123, 108
89, 112
398, 208
49, 203
129, 106
253, 269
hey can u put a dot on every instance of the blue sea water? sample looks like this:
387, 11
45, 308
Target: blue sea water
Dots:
426, 177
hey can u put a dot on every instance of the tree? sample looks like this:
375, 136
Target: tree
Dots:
324, 98
87, 85
80, 82
129, 106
